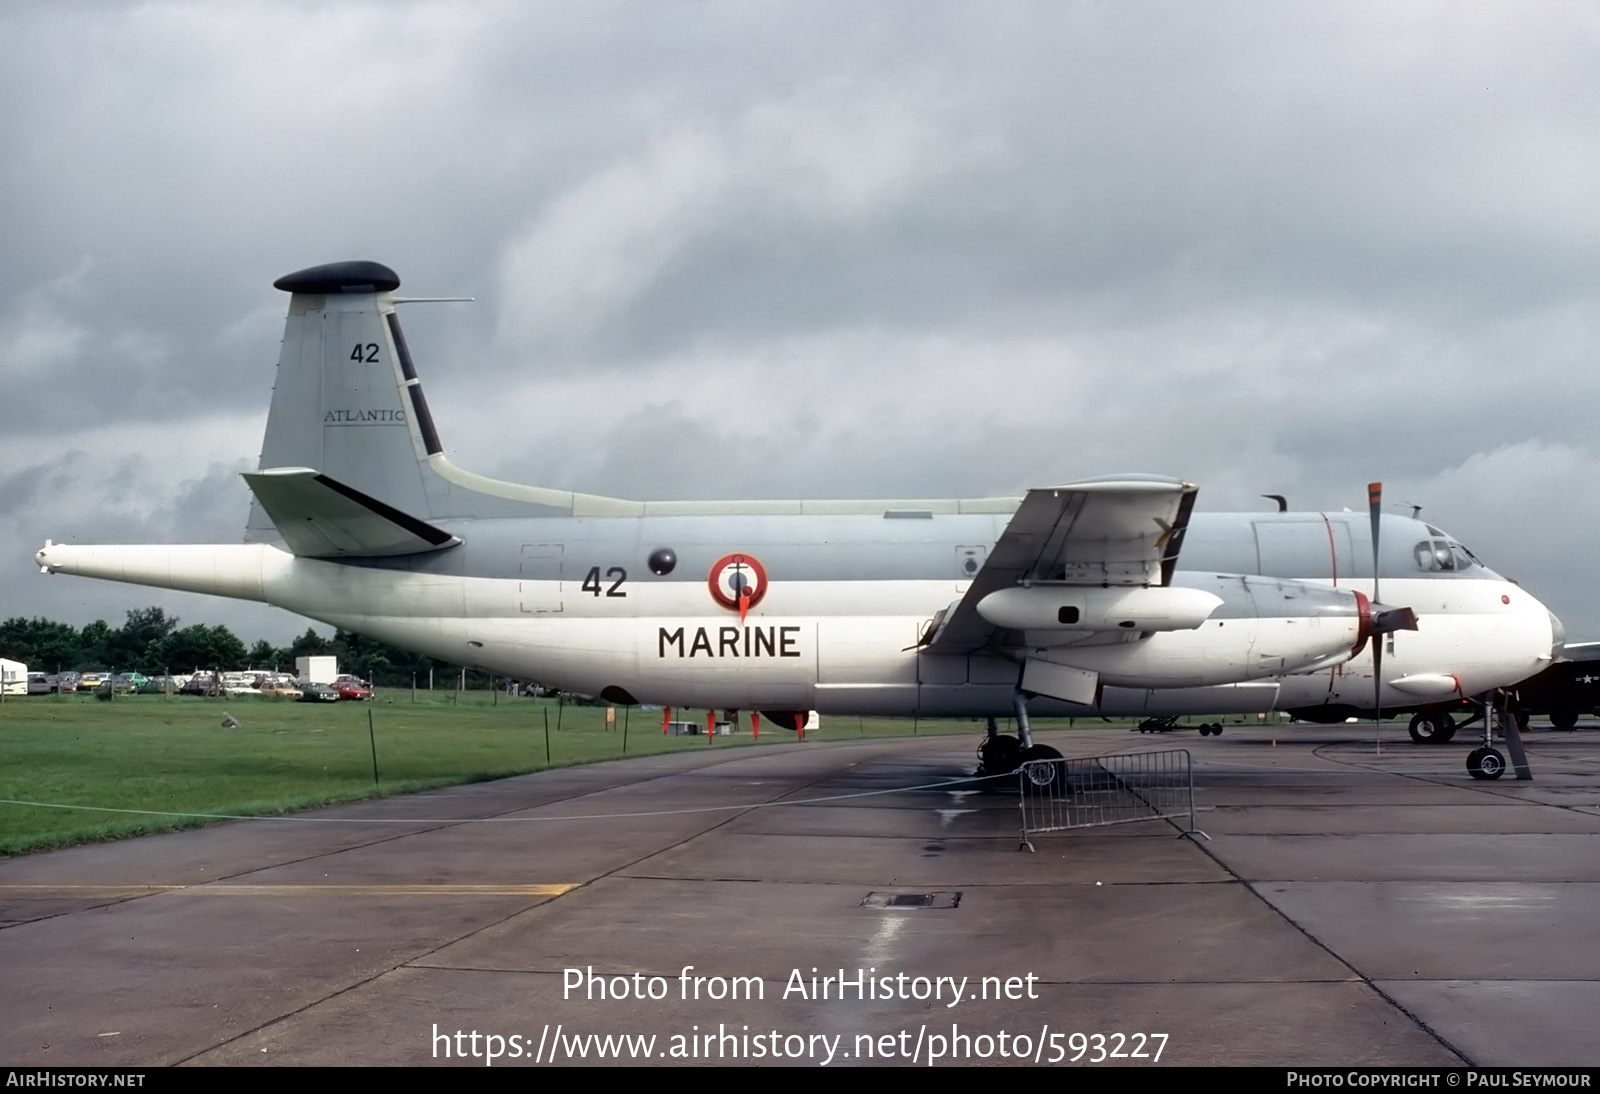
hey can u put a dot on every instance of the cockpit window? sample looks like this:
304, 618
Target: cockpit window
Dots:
1440, 555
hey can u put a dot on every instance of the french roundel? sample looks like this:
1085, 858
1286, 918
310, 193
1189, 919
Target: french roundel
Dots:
735, 578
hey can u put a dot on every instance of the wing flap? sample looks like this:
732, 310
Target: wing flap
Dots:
320, 517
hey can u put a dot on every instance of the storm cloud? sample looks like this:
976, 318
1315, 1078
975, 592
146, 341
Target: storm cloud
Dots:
745, 250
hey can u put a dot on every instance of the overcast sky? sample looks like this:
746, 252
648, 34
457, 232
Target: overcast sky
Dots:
734, 249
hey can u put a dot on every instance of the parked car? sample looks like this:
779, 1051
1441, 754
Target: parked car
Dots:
202, 683
241, 683
311, 692
351, 688
277, 686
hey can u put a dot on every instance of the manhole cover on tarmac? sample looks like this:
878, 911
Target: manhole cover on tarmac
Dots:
912, 900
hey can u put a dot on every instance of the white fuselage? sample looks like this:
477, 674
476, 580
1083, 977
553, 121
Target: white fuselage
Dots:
832, 645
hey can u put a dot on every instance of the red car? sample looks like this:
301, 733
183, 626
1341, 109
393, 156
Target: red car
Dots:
352, 689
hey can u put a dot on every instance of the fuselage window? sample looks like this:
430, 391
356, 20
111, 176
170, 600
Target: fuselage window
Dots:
1434, 554
1442, 554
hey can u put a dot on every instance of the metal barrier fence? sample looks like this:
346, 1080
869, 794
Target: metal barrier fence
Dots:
1096, 791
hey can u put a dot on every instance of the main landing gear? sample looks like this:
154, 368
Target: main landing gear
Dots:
998, 753
1432, 727
1001, 753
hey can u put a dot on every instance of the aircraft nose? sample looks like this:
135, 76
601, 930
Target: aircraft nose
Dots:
1558, 630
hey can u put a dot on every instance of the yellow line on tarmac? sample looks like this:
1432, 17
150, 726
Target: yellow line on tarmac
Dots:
225, 889
87, 890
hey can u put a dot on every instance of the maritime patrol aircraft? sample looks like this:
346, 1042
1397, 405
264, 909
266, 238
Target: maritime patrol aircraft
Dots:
1107, 596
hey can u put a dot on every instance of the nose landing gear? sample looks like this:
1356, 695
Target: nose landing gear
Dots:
1485, 763
1437, 725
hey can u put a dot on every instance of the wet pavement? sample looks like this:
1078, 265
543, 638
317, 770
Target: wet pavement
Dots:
1351, 907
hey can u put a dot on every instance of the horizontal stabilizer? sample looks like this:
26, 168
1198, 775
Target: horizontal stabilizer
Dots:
320, 517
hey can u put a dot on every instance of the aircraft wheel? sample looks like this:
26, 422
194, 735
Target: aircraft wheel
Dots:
1564, 719
999, 756
1424, 728
1485, 763
1051, 779
1216, 729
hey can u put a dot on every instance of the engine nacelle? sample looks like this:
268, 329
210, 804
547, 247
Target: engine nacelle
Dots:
1260, 627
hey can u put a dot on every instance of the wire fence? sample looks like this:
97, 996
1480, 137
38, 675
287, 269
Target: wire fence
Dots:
1097, 791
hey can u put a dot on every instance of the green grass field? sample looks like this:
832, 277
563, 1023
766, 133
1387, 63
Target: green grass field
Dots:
151, 752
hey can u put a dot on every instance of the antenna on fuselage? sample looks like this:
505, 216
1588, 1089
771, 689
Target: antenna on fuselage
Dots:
1283, 502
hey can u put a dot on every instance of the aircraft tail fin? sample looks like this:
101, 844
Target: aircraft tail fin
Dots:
320, 517
348, 403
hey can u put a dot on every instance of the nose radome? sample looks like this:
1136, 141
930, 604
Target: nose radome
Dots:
1558, 634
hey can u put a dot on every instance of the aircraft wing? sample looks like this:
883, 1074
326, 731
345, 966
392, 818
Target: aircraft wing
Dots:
320, 517
1103, 532
1581, 651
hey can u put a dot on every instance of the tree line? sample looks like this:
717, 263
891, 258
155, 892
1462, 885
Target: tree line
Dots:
152, 643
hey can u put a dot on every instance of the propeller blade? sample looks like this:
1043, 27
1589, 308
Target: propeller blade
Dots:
1377, 691
1375, 507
